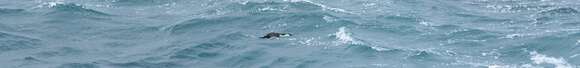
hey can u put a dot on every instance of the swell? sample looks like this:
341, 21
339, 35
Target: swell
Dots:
432, 55
292, 62
562, 16
128, 33
140, 2
11, 42
136, 64
560, 11
60, 52
556, 14
82, 27
295, 5
271, 7
78, 65
225, 38
396, 20
6, 11
147, 64
479, 19
472, 34
515, 5
281, 6
202, 51
298, 21
260, 16
550, 44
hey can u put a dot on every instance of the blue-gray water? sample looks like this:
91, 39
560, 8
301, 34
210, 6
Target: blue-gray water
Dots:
327, 33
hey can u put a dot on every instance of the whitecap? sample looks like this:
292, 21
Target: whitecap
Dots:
50, 4
538, 59
380, 48
541, 59
343, 36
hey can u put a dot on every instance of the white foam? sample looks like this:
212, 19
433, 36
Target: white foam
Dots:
575, 55
343, 36
537, 60
513, 66
243, 2
307, 42
50, 4
329, 19
499, 66
270, 9
379, 48
512, 36
381, 65
323, 6
541, 59
425, 23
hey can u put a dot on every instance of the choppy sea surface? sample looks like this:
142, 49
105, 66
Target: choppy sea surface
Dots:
327, 33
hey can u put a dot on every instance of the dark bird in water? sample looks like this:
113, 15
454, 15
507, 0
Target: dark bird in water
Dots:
276, 35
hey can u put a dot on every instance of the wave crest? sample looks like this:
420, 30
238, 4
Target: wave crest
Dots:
73, 10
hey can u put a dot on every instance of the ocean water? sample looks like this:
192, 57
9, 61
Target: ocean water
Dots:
327, 33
